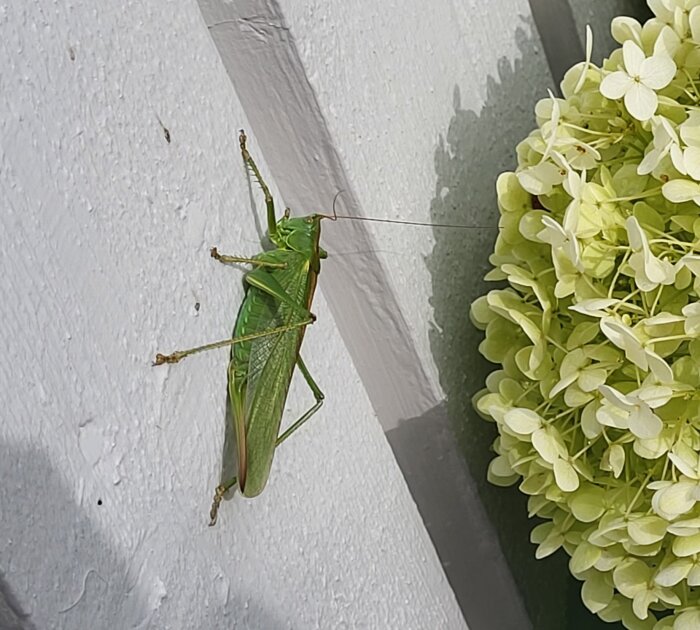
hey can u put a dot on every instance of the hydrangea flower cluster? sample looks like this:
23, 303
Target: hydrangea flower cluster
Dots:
597, 399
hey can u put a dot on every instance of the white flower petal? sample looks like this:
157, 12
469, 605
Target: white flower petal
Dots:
594, 307
624, 28
662, 318
677, 159
688, 620
680, 190
657, 71
674, 572
545, 445
660, 271
650, 161
694, 22
691, 162
641, 101
685, 467
587, 63
633, 57
644, 423
616, 397
625, 339
692, 261
686, 546
615, 85
635, 234
612, 416
676, 499
654, 395
565, 475
659, 368
523, 421
589, 424
539, 179
691, 325
690, 129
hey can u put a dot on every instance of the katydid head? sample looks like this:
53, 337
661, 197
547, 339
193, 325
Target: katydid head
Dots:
300, 233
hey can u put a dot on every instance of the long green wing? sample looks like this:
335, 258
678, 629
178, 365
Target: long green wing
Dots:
260, 370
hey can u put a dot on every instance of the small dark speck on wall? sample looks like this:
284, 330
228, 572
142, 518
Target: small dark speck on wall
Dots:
166, 131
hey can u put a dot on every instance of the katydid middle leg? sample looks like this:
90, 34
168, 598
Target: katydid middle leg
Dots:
226, 259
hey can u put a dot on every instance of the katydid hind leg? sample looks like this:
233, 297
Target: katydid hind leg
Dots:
178, 355
223, 488
318, 395
219, 493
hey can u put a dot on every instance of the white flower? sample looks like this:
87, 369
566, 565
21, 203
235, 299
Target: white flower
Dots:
626, 339
635, 580
585, 214
672, 499
690, 134
541, 178
639, 80
561, 239
649, 271
665, 141
673, 13
633, 411
550, 128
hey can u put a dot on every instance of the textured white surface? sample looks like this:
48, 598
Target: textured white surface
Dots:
107, 463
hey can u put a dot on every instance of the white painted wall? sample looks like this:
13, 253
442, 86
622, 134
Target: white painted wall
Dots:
108, 464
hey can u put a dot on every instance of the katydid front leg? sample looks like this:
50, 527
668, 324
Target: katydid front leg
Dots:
269, 201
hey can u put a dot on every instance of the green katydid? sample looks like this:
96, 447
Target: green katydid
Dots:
267, 336
266, 339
